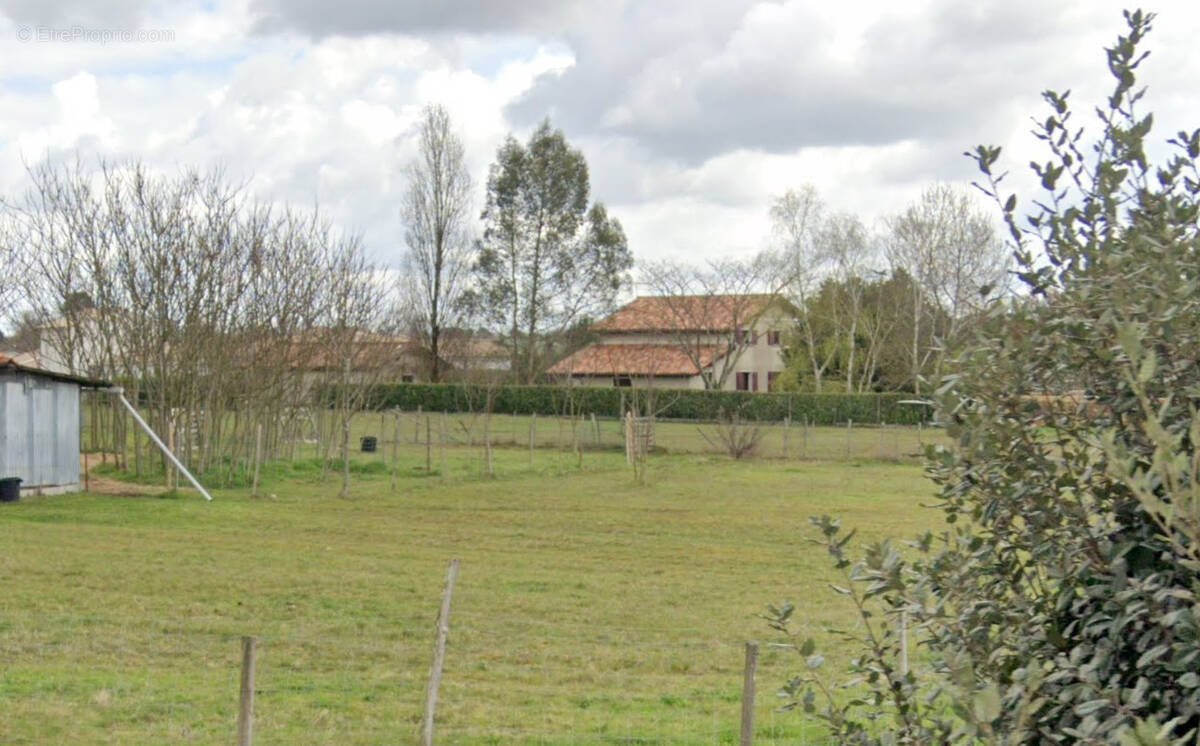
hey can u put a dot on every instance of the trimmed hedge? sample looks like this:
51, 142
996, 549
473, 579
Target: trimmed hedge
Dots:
681, 404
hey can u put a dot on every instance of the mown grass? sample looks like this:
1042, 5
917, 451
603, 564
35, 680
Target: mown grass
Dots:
589, 609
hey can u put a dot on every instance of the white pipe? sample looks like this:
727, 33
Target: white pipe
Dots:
120, 392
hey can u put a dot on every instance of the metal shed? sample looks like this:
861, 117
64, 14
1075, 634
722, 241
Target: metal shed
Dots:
39, 427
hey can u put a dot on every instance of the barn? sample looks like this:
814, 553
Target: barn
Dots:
39, 427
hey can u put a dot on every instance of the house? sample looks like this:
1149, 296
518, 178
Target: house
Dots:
72, 344
475, 356
40, 426
730, 342
322, 355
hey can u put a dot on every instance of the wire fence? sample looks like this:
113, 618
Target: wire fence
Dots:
508, 680
786, 440
466, 447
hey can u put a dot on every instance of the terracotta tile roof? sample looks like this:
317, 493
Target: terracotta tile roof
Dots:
366, 354
635, 359
656, 313
323, 349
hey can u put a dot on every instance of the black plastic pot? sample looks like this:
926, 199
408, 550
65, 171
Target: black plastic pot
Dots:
10, 489
368, 444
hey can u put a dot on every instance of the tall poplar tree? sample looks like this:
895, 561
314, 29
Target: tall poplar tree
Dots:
436, 212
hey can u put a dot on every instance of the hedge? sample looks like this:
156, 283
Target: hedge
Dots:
682, 404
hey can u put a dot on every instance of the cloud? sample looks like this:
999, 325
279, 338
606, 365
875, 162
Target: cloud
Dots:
692, 114
111, 13
330, 121
318, 19
783, 76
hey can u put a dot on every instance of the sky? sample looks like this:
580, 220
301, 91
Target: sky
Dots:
692, 114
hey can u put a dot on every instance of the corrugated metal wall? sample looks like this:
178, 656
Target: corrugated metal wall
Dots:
39, 430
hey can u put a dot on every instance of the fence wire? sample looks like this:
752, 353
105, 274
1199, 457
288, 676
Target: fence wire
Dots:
507, 680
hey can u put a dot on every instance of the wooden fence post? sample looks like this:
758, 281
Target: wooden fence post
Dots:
246, 709
596, 428
629, 438
849, 431
487, 443
439, 656
171, 447
578, 444
787, 437
257, 458
396, 452
417, 426
804, 442
903, 642
532, 435
748, 686
428, 447
442, 448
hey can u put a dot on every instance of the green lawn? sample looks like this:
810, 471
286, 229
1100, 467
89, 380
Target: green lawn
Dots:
589, 609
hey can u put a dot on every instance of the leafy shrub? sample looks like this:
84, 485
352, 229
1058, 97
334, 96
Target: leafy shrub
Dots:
1060, 603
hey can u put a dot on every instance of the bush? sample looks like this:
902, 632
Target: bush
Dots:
1060, 604
709, 406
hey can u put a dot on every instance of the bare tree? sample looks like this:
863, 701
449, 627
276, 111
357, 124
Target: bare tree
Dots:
733, 436
949, 248
10, 268
707, 310
186, 290
797, 217
843, 240
436, 213
354, 341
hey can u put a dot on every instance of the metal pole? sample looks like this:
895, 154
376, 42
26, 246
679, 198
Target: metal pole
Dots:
120, 392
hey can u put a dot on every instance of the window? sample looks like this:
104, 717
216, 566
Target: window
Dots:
771, 376
623, 381
773, 337
745, 337
747, 381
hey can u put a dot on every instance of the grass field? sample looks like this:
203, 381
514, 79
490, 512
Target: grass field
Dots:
589, 609
796, 440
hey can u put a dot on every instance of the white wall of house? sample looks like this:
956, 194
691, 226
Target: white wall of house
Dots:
758, 356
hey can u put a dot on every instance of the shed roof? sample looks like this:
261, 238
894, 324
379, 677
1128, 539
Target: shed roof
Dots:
8, 364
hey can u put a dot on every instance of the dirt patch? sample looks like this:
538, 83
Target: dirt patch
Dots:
106, 486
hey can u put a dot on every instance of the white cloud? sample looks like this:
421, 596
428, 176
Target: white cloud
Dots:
692, 116
80, 116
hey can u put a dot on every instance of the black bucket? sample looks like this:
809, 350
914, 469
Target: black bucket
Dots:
368, 444
10, 489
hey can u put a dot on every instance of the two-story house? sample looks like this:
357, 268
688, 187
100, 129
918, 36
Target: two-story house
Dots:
729, 342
